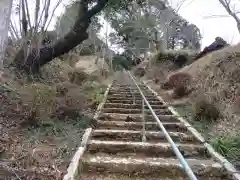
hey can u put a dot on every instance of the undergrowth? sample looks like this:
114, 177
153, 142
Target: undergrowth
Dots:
187, 111
227, 146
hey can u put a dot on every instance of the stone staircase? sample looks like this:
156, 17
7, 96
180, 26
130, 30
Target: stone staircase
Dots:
115, 150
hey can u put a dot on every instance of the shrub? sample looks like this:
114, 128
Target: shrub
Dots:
177, 80
78, 76
156, 80
236, 105
70, 106
181, 60
205, 110
37, 102
180, 91
140, 72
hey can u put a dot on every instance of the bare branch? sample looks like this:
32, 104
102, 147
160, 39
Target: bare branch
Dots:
13, 29
49, 21
36, 14
40, 18
24, 20
226, 5
46, 15
28, 15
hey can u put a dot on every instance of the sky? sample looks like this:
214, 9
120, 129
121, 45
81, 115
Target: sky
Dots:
194, 11
197, 11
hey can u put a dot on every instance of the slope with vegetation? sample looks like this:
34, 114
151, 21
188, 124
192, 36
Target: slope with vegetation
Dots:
43, 117
206, 93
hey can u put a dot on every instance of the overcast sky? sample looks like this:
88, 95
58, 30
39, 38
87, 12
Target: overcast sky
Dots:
196, 12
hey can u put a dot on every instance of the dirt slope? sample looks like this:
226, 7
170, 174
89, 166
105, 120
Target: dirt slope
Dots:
88, 64
217, 76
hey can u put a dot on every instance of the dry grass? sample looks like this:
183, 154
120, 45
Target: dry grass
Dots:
42, 120
180, 91
177, 80
215, 77
78, 76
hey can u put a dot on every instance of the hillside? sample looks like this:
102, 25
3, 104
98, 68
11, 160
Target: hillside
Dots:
210, 101
43, 117
217, 76
90, 65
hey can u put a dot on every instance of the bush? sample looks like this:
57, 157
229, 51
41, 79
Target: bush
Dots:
69, 107
236, 105
205, 110
140, 72
78, 76
41, 102
177, 80
181, 60
180, 91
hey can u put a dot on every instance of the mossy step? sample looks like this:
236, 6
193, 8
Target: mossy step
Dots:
173, 127
151, 136
139, 149
163, 167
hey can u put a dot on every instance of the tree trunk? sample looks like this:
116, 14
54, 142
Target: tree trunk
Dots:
78, 34
5, 14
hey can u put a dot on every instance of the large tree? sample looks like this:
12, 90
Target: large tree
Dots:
145, 26
87, 9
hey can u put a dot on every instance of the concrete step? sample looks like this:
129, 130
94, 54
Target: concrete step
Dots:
117, 93
129, 96
119, 176
132, 106
110, 98
128, 89
135, 117
135, 111
131, 101
163, 167
150, 126
151, 136
139, 149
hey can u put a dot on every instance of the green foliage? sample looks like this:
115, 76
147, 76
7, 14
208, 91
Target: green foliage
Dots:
121, 61
187, 111
227, 146
95, 93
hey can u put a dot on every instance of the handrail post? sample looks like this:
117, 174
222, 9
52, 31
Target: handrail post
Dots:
143, 122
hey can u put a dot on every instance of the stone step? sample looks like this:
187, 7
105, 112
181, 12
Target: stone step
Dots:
163, 167
151, 136
110, 98
132, 106
119, 176
117, 93
139, 149
151, 126
130, 96
130, 101
128, 89
135, 117
136, 111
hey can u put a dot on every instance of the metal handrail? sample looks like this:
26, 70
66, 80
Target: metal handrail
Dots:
180, 157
